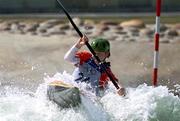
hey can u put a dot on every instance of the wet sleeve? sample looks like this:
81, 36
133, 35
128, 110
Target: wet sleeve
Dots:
70, 56
113, 76
104, 78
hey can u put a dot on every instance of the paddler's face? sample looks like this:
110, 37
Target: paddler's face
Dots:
102, 55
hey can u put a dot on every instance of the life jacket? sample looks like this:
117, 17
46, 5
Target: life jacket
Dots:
88, 71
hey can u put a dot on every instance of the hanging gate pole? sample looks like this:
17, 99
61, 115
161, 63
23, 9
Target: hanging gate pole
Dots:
156, 47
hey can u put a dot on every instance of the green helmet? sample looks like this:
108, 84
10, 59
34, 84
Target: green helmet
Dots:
100, 45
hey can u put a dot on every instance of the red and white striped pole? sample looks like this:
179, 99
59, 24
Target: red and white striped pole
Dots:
156, 52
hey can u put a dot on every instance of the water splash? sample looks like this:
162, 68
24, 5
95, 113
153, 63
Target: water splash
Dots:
16, 105
144, 103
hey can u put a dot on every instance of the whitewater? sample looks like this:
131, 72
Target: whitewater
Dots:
144, 103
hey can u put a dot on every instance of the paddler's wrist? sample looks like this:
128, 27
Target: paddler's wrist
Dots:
77, 45
121, 91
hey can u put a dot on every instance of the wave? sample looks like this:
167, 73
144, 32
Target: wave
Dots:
144, 103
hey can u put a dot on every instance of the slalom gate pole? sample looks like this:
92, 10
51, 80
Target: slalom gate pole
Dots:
156, 42
87, 44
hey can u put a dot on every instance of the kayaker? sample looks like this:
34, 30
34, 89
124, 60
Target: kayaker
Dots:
88, 69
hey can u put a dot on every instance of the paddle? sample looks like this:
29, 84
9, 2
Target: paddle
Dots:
88, 46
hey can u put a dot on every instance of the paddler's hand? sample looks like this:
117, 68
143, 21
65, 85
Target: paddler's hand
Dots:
82, 41
121, 91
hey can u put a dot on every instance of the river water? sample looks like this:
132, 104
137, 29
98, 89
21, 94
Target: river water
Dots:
144, 103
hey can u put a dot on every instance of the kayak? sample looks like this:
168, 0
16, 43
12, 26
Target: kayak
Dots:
63, 94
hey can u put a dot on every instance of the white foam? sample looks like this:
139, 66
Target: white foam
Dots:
144, 103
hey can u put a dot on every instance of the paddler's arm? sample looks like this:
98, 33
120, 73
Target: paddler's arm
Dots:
71, 54
121, 91
82, 41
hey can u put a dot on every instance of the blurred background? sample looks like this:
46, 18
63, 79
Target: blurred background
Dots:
82, 6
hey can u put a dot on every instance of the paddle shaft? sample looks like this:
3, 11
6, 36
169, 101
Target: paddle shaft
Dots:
87, 44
